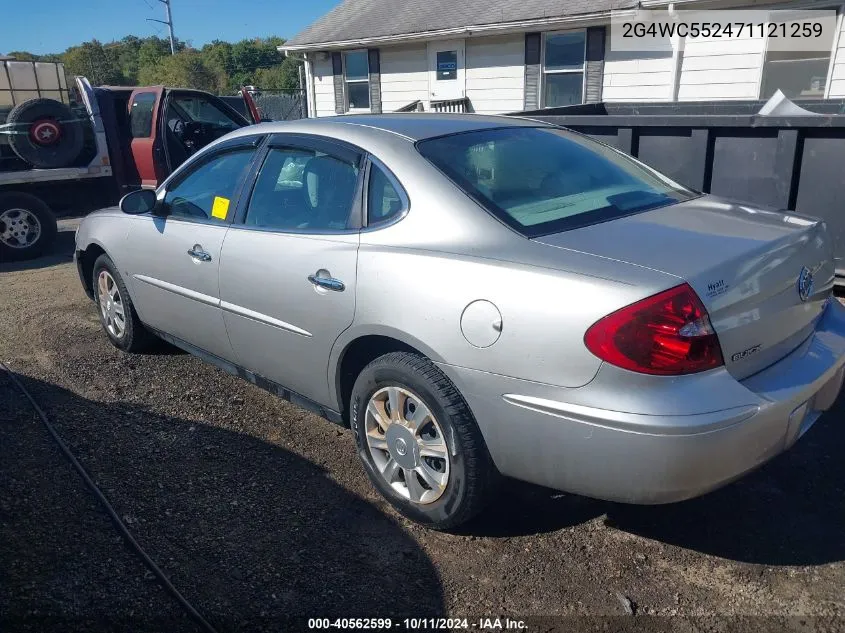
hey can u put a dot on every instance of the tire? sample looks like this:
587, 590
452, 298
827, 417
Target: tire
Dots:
468, 469
27, 226
132, 337
53, 138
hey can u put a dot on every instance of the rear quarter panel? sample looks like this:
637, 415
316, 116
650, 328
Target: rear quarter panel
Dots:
544, 312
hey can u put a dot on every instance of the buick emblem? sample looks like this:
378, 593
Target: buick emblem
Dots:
805, 283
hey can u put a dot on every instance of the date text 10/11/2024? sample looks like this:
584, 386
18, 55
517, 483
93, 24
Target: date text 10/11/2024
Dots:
419, 624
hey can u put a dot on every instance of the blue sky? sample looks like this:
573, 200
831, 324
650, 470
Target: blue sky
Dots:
57, 24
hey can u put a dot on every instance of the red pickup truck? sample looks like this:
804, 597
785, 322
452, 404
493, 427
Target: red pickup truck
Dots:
132, 138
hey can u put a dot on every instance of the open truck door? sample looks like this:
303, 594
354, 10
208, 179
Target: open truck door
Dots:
191, 120
169, 125
145, 114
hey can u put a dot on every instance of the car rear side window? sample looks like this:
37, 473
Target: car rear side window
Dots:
208, 192
301, 189
544, 180
141, 115
384, 200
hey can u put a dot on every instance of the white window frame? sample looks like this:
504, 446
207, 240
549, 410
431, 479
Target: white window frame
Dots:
831, 58
568, 71
347, 81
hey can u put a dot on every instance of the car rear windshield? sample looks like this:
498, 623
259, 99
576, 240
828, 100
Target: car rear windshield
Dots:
545, 180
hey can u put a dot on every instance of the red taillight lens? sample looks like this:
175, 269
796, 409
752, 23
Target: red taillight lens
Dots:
668, 334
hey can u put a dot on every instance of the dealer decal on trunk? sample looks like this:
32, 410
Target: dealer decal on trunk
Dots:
716, 288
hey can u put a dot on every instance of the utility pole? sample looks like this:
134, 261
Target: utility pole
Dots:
169, 23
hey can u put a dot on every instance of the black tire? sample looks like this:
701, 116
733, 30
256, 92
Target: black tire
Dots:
15, 207
135, 337
472, 473
47, 155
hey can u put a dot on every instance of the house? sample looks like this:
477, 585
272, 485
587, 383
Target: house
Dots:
496, 56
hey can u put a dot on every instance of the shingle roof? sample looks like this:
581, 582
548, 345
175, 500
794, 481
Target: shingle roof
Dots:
361, 19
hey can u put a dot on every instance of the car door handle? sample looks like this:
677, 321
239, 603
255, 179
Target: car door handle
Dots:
197, 252
329, 283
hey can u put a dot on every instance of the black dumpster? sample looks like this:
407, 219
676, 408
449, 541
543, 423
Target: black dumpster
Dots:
725, 148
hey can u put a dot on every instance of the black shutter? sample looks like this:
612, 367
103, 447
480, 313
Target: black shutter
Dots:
375, 80
531, 97
594, 65
337, 71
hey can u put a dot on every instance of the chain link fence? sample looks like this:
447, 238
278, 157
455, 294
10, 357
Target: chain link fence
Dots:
281, 105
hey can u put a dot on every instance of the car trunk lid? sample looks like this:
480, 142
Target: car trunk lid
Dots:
763, 276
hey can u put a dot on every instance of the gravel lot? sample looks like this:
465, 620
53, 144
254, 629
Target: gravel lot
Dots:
258, 510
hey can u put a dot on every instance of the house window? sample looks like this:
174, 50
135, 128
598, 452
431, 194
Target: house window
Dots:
798, 74
356, 70
563, 68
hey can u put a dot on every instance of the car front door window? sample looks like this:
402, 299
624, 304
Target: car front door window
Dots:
208, 191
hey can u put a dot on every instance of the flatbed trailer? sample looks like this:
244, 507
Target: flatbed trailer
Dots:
135, 137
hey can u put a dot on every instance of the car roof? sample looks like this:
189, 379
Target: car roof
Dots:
413, 126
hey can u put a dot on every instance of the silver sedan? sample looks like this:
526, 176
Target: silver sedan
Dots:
477, 296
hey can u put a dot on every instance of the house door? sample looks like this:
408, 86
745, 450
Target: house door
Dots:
446, 70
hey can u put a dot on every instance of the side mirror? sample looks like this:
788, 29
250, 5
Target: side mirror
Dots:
137, 202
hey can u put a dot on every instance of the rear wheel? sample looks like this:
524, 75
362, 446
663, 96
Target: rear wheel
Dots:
419, 442
117, 313
27, 226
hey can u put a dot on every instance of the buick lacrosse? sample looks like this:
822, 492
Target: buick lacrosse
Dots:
483, 296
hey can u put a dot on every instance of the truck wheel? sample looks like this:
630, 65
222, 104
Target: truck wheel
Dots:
49, 136
27, 226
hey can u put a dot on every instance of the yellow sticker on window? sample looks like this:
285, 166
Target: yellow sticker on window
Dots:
220, 208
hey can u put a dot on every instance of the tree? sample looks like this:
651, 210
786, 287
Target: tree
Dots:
184, 69
217, 57
220, 67
284, 76
95, 61
24, 56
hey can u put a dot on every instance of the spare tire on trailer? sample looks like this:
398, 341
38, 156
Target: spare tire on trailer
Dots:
46, 133
27, 226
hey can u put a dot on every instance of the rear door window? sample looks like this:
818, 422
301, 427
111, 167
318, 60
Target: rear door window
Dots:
384, 200
301, 189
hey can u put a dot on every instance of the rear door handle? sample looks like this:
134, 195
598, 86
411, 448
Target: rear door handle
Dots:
198, 253
329, 283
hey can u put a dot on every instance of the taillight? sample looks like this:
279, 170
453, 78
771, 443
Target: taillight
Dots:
668, 334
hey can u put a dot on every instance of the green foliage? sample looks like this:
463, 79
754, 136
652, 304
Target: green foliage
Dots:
23, 56
185, 69
95, 61
219, 67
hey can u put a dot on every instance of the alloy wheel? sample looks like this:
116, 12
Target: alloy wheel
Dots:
111, 304
407, 445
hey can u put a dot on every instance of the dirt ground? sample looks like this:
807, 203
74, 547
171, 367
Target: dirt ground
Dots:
260, 513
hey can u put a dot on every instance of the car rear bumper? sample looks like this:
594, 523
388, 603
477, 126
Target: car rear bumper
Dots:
557, 437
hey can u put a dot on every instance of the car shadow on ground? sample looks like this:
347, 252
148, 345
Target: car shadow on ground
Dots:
789, 512
252, 534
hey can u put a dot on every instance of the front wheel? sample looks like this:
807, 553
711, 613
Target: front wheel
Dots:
419, 442
117, 313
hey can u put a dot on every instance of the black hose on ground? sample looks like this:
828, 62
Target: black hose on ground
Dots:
121, 526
